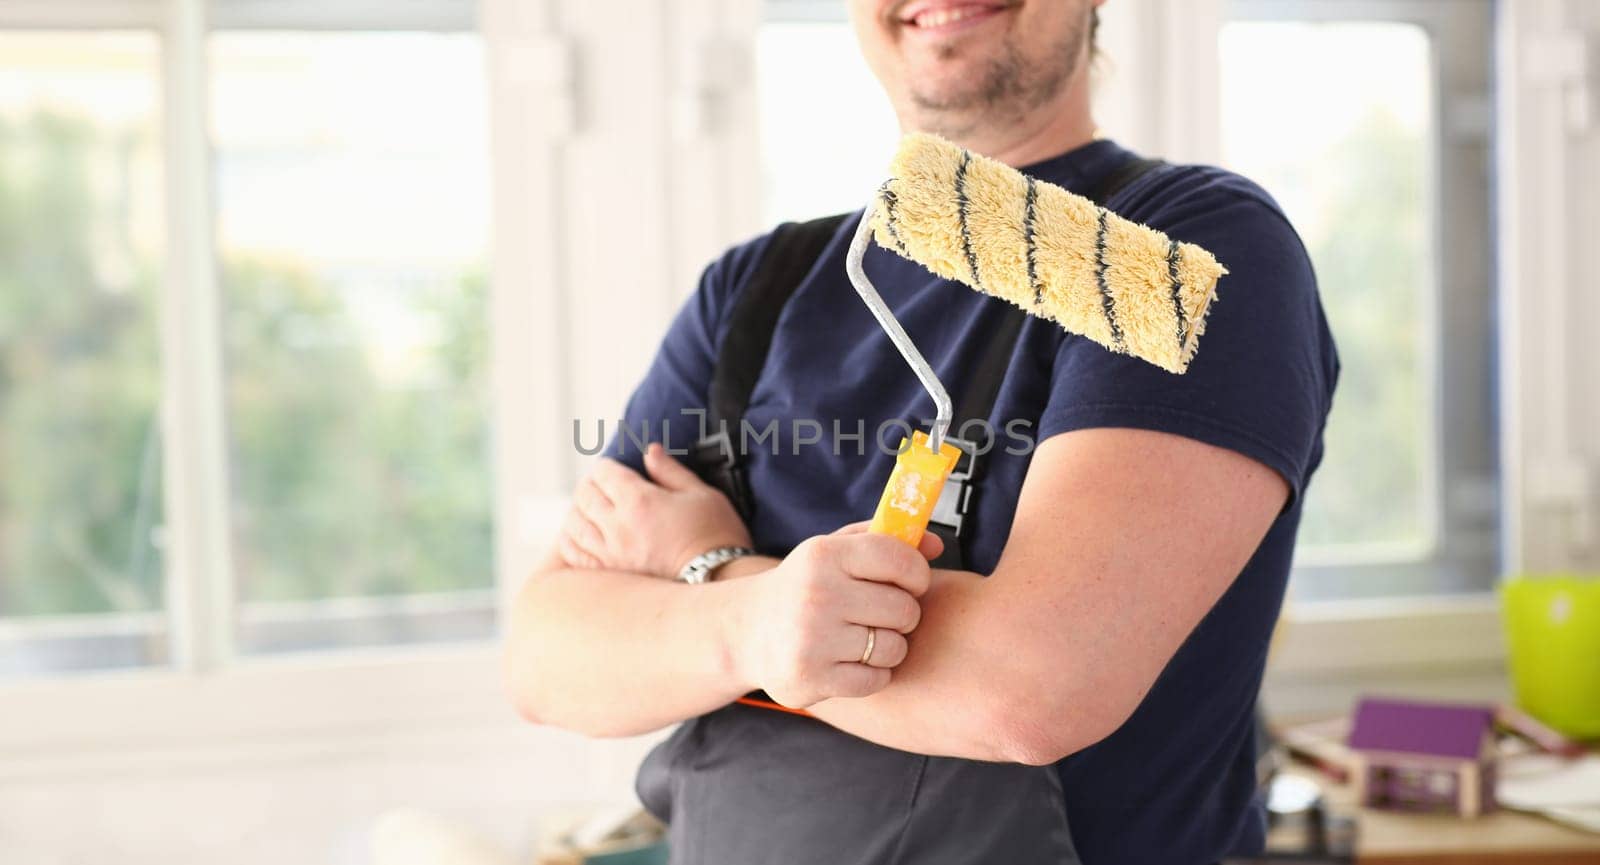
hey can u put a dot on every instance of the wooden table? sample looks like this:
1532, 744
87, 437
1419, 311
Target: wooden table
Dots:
1501, 838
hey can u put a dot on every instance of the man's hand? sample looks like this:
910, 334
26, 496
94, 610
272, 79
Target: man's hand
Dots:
802, 626
654, 526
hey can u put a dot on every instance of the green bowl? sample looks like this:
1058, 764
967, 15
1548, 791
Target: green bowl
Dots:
1553, 636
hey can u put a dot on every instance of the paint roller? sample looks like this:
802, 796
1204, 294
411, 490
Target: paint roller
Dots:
1055, 254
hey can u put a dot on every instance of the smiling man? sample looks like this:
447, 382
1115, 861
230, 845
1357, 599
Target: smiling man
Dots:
1074, 679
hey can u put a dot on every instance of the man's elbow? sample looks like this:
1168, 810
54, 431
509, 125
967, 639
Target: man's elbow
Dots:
1039, 732
1035, 743
535, 697
519, 682
528, 682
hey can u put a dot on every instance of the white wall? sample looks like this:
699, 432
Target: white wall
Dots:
1157, 87
625, 160
299, 800
290, 759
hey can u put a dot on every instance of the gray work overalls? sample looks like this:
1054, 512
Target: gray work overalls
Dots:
752, 786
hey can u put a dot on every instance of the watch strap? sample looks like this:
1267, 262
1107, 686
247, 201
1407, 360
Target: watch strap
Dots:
701, 567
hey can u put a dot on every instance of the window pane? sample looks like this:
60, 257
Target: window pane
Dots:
352, 228
80, 271
1348, 150
827, 130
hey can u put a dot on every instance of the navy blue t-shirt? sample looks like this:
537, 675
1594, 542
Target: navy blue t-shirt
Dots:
1176, 783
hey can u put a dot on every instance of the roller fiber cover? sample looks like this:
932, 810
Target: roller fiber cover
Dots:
1055, 254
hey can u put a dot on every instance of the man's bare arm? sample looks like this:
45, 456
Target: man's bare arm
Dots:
1122, 541
574, 657
609, 653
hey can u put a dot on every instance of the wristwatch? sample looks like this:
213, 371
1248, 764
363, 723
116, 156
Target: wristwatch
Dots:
700, 567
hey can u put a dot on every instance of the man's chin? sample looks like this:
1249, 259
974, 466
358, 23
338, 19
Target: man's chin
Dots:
955, 82
947, 97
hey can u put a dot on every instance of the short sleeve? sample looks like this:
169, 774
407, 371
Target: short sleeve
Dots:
666, 405
1261, 382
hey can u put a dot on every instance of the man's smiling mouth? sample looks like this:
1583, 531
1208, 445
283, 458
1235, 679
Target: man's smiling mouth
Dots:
932, 16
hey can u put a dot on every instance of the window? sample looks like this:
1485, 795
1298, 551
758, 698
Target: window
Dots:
345, 173
1368, 123
80, 271
352, 207
1374, 263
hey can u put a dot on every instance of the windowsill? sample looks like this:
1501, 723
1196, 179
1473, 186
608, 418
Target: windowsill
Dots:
1324, 652
1386, 633
277, 701
36, 647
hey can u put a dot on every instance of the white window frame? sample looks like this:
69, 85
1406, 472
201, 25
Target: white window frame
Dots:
558, 351
206, 693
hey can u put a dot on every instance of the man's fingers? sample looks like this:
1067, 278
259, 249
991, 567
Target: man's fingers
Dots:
880, 605
617, 481
856, 680
668, 472
931, 546
583, 533
881, 559
574, 555
889, 647
590, 499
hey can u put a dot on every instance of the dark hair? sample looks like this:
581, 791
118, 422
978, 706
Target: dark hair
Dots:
1094, 28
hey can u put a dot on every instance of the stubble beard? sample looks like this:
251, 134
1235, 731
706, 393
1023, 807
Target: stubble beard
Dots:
1009, 88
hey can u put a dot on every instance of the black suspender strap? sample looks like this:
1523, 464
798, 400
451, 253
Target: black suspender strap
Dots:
1122, 177
975, 403
791, 252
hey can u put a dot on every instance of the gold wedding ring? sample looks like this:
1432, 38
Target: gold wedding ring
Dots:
872, 642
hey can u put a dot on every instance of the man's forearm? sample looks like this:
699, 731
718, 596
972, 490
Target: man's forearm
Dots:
607, 653
961, 690
614, 654
933, 703
946, 699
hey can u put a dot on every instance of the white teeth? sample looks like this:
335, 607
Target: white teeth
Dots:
941, 17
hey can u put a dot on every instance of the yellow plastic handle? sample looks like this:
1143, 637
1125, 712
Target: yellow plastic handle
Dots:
913, 489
